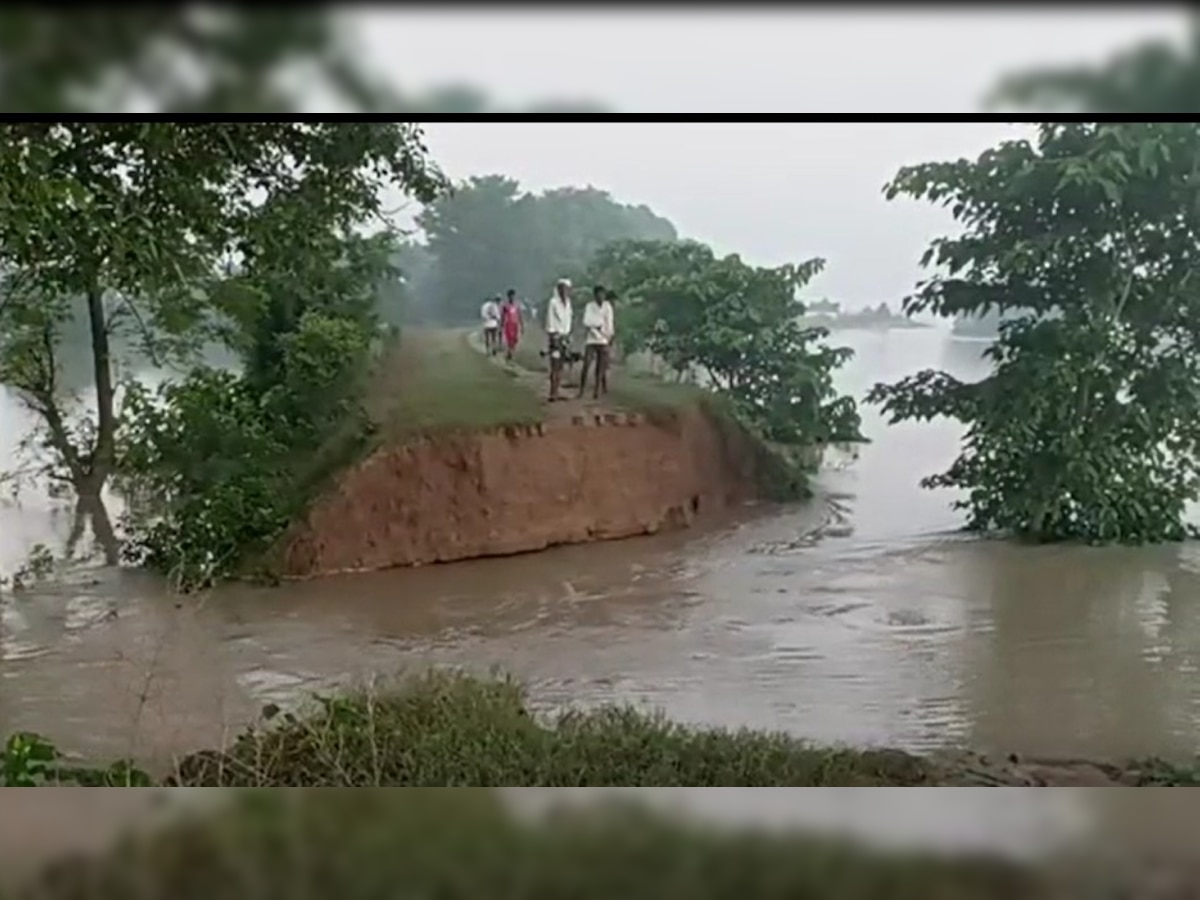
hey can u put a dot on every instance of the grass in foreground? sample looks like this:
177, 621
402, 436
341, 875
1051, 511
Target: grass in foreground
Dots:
443, 730
466, 845
448, 729
434, 381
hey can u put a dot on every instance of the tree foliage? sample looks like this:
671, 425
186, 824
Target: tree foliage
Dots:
217, 452
468, 99
140, 220
488, 236
737, 325
1153, 78
179, 59
1087, 427
217, 458
188, 59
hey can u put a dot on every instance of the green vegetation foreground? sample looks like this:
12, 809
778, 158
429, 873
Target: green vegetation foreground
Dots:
467, 844
453, 730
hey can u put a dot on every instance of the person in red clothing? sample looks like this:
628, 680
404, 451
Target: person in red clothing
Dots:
510, 323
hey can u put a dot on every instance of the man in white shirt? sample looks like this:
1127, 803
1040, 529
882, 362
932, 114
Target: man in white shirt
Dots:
490, 313
558, 332
599, 328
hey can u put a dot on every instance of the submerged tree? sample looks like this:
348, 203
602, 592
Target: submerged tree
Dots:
135, 221
1089, 424
228, 460
740, 327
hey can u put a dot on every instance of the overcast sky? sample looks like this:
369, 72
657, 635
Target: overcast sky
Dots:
772, 192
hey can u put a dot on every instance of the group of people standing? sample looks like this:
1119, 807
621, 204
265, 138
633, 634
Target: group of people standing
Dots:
503, 327
502, 324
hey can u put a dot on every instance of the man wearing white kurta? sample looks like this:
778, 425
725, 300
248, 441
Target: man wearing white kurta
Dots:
598, 329
490, 313
558, 332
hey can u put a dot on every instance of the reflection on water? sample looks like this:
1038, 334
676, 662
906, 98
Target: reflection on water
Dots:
863, 617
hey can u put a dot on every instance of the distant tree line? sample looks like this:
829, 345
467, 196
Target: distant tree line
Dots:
489, 235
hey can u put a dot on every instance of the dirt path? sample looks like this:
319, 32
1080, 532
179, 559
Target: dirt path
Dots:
571, 407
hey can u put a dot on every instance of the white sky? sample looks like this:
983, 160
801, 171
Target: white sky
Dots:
772, 192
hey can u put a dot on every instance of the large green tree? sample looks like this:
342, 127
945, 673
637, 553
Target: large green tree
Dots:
649, 317
488, 236
1087, 427
216, 454
139, 220
739, 327
479, 239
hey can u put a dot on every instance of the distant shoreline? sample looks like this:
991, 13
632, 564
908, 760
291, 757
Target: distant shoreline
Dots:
862, 322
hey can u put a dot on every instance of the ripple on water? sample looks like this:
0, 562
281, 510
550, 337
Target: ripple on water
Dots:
267, 686
14, 645
86, 610
16, 651
796, 653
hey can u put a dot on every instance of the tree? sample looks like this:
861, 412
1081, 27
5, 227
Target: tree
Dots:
489, 236
179, 60
200, 60
137, 219
739, 326
643, 272
407, 296
1087, 427
1151, 79
216, 453
571, 224
478, 237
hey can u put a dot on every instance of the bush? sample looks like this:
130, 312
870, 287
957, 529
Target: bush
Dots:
447, 729
464, 844
443, 730
29, 760
211, 462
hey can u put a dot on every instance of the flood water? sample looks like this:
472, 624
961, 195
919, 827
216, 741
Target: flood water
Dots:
862, 617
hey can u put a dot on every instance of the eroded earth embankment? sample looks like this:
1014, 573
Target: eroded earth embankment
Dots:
593, 476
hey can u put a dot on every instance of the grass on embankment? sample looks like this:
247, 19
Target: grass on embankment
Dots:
466, 845
435, 380
631, 389
448, 729
432, 380
453, 730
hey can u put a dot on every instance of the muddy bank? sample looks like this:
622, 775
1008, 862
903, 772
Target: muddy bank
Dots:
593, 476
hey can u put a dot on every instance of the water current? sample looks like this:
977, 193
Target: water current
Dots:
861, 617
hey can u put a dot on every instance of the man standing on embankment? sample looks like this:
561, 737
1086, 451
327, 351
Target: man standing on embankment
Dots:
598, 329
558, 333
490, 313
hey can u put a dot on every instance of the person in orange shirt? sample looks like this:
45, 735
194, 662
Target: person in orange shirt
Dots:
510, 323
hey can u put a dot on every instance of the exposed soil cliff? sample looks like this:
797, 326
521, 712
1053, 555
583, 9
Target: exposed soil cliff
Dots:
592, 476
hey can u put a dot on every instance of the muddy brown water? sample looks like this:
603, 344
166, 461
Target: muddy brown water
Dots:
862, 617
